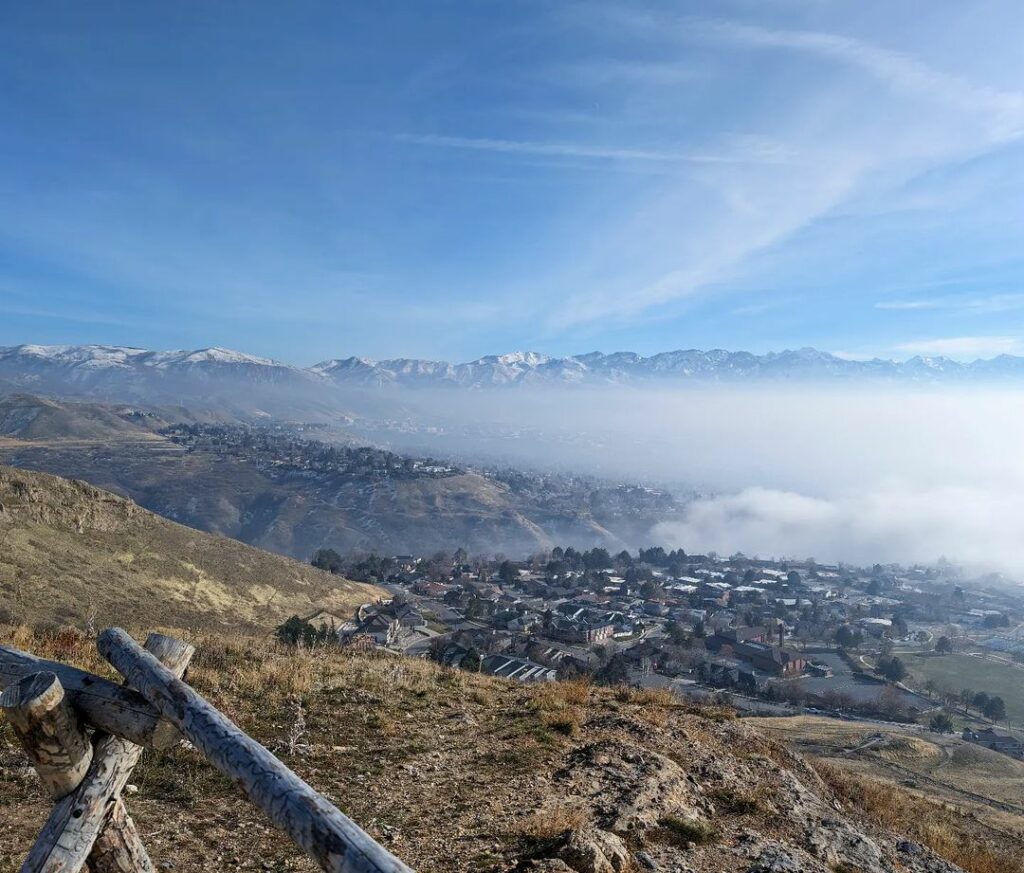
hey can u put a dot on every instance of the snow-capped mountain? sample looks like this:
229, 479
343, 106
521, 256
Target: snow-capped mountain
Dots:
119, 373
716, 365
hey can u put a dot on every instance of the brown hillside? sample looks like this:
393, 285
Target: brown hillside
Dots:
73, 553
453, 771
28, 417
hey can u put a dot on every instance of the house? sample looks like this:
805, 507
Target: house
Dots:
406, 563
729, 636
405, 614
996, 742
771, 659
725, 674
426, 588
376, 629
519, 669
581, 630
524, 623
451, 655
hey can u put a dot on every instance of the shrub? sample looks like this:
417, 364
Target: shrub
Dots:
735, 802
685, 832
564, 721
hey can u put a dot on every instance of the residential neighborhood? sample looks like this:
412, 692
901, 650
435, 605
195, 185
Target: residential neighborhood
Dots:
767, 635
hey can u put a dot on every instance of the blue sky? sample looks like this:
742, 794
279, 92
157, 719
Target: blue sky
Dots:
450, 179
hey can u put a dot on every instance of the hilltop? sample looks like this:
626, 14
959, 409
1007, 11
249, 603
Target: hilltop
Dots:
453, 771
30, 417
70, 552
275, 488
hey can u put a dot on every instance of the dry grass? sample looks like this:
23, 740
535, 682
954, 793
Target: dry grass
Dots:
73, 553
736, 802
934, 825
387, 738
647, 697
958, 765
561, 707
567, 721
549, 824
685, 832
559, 695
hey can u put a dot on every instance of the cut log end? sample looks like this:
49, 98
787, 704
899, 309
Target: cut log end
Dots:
100, 703
37, 692
49, 730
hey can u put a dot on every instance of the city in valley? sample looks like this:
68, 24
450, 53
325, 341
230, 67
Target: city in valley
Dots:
922, 645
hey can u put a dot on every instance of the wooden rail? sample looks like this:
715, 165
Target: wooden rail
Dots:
101, 703
49, 703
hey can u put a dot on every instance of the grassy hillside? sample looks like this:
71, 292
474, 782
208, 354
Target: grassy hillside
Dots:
980, 787
959, 670
27, 417
295, 514
458, 772
73, 553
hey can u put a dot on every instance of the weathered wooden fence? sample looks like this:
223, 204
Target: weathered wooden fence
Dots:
85, 734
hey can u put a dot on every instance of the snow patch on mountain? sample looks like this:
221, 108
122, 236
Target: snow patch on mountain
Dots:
92, 364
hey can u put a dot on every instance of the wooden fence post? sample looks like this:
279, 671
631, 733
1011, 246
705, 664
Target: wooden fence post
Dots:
118, 848
49, 731
91, 823
328, 836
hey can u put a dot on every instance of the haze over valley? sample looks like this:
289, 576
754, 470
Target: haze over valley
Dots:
788, 454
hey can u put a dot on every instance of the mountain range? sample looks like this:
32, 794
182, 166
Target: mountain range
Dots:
121, 372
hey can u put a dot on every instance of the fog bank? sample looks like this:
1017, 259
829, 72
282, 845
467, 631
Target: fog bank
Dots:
855, 474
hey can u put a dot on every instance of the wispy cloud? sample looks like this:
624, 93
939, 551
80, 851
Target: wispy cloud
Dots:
964, 346
908, 304
761, 212
901, 71
69, 315
950, 119
606, 72
988, 304
760, 307
750, 151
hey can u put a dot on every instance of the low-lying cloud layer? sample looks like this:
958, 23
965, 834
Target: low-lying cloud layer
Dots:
854, 474
977, 527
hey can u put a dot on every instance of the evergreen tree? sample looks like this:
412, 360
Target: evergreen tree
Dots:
329, 560
995, 709
507, 573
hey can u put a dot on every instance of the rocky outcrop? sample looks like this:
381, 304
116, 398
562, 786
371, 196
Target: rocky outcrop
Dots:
652, 805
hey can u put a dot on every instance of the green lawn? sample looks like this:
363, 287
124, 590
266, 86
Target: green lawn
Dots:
963, 671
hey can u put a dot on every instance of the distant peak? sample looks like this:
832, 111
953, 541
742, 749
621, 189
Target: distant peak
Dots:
531, 359
343, 363
220, 355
